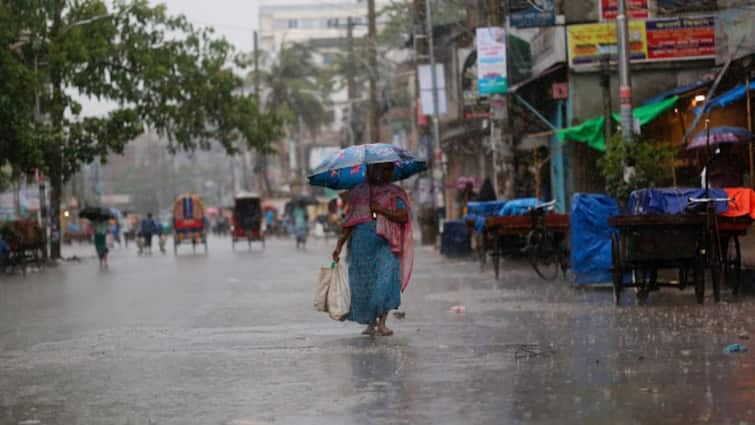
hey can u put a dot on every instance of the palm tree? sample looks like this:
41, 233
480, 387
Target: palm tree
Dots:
296, 85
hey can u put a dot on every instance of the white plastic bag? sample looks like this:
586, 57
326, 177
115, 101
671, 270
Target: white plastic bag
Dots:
339, 294
323, 284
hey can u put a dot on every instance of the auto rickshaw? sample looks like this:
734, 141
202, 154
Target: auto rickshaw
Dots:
189, 224
246, 222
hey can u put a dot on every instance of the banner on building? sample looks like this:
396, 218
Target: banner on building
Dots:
638, 9
491, 61
734, 34
589, 42
675, 7
654, 40
532, 13
681, 38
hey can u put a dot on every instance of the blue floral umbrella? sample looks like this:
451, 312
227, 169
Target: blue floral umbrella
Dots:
347, 168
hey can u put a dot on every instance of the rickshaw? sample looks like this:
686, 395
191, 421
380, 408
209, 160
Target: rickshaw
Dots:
189, 224
246, 222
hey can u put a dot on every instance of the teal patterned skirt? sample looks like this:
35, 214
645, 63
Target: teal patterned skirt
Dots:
374, 275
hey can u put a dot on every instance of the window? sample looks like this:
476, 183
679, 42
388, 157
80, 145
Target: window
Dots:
293, 23
332, 23
327, 58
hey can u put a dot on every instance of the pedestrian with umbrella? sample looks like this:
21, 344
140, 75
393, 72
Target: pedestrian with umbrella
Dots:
377, 227
100, 218
724, 168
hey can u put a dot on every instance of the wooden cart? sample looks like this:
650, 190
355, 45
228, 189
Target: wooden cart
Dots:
645, 244
511, 234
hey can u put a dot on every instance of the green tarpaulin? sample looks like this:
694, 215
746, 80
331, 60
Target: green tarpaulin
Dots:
591, 131
648, 113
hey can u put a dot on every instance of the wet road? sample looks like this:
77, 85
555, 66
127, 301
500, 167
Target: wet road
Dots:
231, 338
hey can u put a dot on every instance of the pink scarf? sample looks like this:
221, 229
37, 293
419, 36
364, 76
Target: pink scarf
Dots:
399, 236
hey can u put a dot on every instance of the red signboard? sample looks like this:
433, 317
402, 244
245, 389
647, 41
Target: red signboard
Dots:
681, 38
638, 9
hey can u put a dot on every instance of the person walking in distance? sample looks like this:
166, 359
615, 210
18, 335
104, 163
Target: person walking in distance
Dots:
147, 229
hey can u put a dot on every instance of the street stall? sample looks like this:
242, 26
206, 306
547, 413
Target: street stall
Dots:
690, 231
23, 244
530, 228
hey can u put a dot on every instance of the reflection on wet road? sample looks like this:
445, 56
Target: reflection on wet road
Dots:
231, 338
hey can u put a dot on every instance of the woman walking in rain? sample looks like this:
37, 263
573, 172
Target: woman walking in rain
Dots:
101, 229
378, 230
301, 224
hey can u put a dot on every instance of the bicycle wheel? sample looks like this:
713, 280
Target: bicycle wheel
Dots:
617, 272
699, 282
733, 264
542, 255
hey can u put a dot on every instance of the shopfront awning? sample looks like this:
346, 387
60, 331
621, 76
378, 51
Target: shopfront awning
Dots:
675, 92
726, 98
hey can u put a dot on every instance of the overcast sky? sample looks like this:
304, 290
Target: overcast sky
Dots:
233, 19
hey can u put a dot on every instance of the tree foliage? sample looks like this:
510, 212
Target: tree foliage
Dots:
650, 161
297, 86
157, 70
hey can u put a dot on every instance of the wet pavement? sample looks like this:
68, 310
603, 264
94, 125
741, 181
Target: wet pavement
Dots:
231, 338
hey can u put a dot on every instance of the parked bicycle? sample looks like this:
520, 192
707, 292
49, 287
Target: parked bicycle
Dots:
547, 251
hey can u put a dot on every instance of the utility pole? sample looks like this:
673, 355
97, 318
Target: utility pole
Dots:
261, 157
500, 129
605, 85
373, 120
436, 130
625, 80
350, 79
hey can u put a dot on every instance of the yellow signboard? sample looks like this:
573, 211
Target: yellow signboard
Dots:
588, 42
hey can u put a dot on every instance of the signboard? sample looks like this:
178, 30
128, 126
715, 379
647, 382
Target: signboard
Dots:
637, 9
734, 34
675, 7
650, 41
426, 89
588, 42
491, 61
681, 38
532, 13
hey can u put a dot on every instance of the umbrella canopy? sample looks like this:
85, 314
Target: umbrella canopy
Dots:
347, 168
721, 135
96, 213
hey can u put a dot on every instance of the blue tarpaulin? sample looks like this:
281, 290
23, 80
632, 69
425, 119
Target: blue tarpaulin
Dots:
727, 97
485, 209
674, 92
670, 200
518, 206
590, 237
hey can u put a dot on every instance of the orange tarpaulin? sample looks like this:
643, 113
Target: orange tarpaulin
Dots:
743, 202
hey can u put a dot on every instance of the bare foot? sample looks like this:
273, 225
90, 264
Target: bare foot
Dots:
369, 330
384, 331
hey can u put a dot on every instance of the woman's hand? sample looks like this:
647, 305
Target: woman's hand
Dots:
376, 208
337, 252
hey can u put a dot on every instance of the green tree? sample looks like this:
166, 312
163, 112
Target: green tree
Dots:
651, 162
17, 152
157, 69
